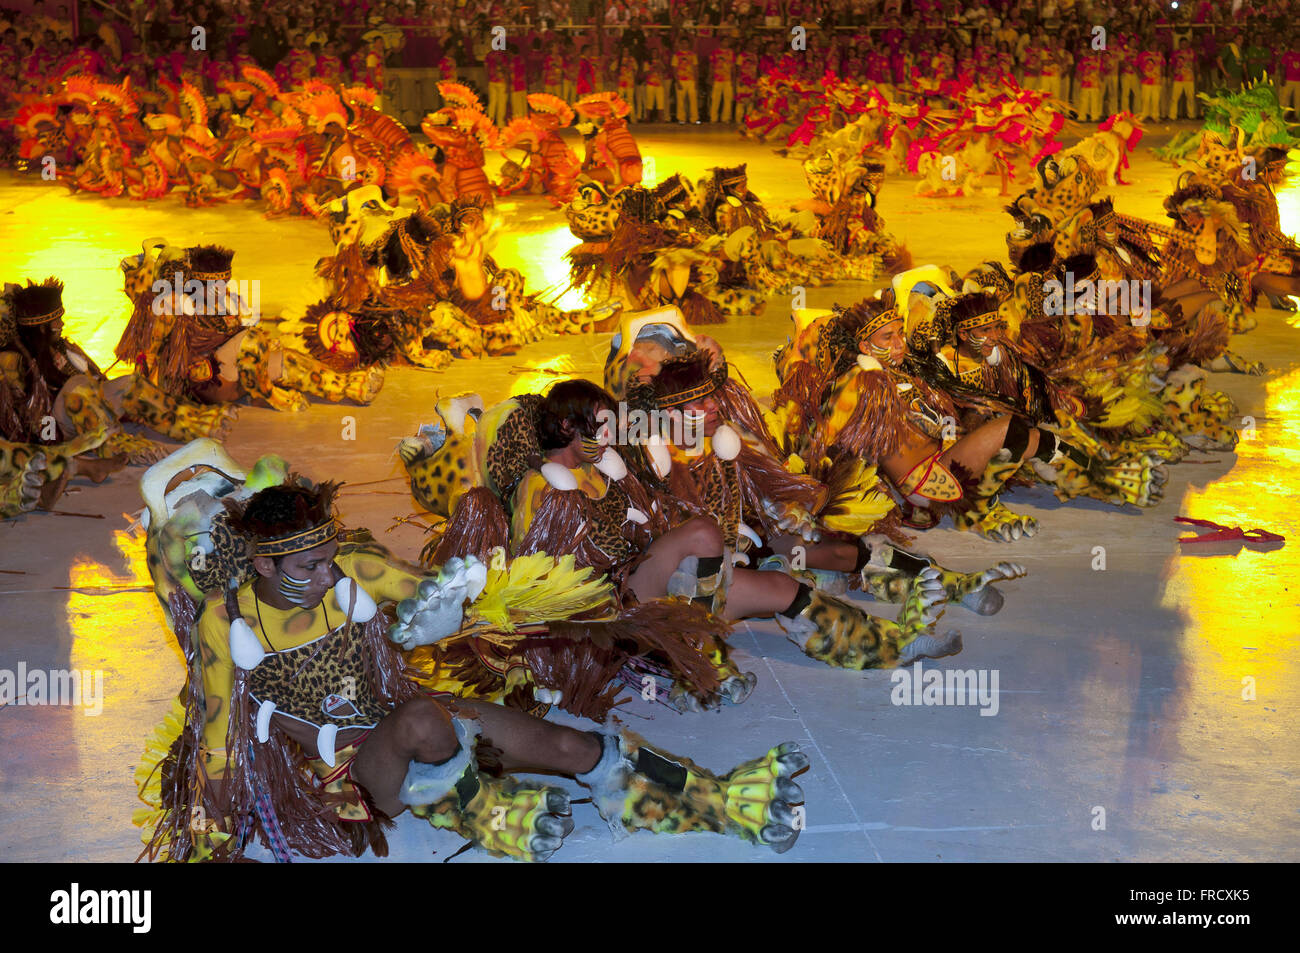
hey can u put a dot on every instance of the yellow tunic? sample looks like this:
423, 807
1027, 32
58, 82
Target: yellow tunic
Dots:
532, 489
380, 574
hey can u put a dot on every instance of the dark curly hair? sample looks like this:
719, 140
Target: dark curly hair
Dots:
281, 510
570, 407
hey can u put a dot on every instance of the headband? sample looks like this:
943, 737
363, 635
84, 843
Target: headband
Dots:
978, 321
876, 323
35, 319
297, 542
684, 397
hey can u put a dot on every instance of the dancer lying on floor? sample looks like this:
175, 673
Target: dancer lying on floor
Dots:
296, 658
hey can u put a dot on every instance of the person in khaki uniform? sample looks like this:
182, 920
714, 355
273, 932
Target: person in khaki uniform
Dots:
1110, 60
1182, 67
654, 78
1089, 76
1033, 62
1151, 67
746, 82
498, 72
1128, 77
686, 68
722, 93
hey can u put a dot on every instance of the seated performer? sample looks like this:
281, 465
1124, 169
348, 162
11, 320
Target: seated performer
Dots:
186, 336
837, 537
296, 658
693, 558
58, 406
879, 409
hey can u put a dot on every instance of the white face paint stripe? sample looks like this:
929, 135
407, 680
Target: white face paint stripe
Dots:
292, 588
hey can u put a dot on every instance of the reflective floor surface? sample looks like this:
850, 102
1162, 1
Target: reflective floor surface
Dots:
1146, 711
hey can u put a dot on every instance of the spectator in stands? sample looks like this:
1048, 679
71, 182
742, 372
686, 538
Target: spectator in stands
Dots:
1256, 59
1182, 71
686, 70
1151, 69
268, 43
1231, 63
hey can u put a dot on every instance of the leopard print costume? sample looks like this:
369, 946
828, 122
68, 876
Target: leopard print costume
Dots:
514, 448
301, 681
300, 375
438, 480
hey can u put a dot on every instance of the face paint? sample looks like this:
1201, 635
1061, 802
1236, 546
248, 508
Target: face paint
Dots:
592, 449
292, 589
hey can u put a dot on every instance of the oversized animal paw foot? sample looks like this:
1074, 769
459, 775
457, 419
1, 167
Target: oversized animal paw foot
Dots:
1138, 480
507, 819
195, 423
1229, 362
1001, 525
760, 798
930, 646
1218, 404
1164, 444
734, 690
975, 591
364, 386
23, 492
925, 601
438, 607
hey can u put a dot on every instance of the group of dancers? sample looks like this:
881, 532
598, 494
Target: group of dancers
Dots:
606, 536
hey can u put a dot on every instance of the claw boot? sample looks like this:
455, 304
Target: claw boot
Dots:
1196, 414
703, 580
1072, 473
309, 376
986, 514
838, 633
20, 489
734, 686
81, 408
148, 404
283, 377
500, 815
635, 787
890, 570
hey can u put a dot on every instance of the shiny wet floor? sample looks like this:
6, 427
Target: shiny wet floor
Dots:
1145, 711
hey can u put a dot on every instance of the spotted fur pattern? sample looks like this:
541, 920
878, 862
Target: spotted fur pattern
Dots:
441, 478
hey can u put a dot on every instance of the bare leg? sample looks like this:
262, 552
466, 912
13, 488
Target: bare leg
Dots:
1192, 304
977, 448
531, 745
1279, 286
829, 554
1181, 288
759, 594
696, 537
421, 730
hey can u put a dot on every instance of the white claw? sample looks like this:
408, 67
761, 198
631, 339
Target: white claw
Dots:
264, 713
325, 743
245, 650
345, 591
475, 578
